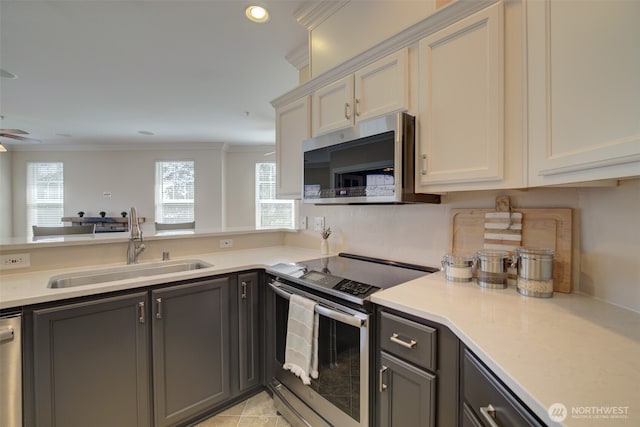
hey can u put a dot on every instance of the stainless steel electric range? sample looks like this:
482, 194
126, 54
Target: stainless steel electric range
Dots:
341, 286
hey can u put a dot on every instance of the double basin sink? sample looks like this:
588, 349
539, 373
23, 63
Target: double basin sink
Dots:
70, 280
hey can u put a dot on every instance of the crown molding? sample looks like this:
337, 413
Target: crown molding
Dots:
312, 12
121, 146
299, 57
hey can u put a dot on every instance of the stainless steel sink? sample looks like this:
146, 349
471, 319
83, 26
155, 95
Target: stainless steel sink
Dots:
84, 278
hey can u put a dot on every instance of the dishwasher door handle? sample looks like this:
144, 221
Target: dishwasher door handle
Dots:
6, 334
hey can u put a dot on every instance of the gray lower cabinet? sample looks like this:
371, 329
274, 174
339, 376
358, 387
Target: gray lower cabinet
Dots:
248, 330
418, 372
159, 357
407, 394
487, 402
91, 364
190, 330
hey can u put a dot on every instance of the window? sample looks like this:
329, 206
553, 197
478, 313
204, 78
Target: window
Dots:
271, 212
175, 189
45, 194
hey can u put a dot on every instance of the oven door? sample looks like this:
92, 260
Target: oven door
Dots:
340, 394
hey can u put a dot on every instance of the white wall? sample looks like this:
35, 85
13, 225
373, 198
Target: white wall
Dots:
240, 184
606, 230
130, 177
6, 213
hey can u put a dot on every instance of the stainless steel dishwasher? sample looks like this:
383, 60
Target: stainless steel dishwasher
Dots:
10, 370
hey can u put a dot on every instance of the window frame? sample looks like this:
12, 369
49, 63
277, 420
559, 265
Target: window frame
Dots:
160, 212
35, 203
273, 200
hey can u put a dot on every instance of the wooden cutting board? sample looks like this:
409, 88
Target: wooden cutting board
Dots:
541, 228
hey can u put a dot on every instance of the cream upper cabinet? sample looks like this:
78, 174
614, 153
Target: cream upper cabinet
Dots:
462, 118
292, 127
377, 89
583, 90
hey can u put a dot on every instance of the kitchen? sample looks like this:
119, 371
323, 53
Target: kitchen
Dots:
605, 238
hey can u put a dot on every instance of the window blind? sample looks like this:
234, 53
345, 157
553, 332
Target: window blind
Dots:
45, 194
271, 212
175, 191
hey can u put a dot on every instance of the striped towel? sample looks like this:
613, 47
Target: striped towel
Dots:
301, 349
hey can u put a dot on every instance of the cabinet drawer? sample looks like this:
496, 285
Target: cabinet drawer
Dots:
409, 340
481, 388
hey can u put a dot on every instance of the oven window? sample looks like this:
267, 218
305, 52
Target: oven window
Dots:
338, 360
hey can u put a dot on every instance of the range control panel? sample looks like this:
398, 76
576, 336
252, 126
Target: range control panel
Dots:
355, 288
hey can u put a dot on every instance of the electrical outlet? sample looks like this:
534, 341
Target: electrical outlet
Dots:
226, 243
15, 261
318, 223
303, 222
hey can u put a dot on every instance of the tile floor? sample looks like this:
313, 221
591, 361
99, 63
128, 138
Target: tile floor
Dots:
255, 411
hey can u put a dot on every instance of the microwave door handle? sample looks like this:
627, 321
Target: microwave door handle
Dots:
322, 310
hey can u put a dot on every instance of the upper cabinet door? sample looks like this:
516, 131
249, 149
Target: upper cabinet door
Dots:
583, 90
292, 127
333, 107
461, 126
382, 87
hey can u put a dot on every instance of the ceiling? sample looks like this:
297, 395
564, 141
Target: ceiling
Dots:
96, 72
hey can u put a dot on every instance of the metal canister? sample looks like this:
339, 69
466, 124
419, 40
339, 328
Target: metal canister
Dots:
535, 272
458, 268
492, 268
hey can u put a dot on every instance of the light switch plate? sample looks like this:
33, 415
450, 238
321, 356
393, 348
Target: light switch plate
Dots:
303, 222
318, 224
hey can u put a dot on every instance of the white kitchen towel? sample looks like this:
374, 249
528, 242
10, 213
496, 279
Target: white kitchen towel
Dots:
301, 349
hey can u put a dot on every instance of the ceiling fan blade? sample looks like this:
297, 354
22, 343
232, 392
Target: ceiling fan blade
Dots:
17, 137
14, 131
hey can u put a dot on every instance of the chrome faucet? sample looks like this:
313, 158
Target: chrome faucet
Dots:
136, 246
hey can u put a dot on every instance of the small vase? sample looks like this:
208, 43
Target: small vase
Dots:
324, 247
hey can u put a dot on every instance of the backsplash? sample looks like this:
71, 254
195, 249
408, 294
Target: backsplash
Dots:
606, 232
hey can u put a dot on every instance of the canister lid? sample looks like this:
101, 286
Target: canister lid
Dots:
458, 259
492, 254
535, 253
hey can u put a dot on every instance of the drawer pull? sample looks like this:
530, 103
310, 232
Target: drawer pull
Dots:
381, 383
396, 339
141, 312
243, 294
488, 413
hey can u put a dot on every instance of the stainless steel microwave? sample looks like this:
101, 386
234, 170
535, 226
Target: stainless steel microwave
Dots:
371, 163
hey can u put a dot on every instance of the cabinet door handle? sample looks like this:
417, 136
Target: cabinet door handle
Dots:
346, 111
158, 308
489, 413
243, 295
141, 312
396, 339
381, 383
357, 107
423, 168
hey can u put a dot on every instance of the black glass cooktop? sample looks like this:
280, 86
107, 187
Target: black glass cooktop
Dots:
350, 274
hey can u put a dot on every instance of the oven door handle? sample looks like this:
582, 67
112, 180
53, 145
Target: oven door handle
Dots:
323, 310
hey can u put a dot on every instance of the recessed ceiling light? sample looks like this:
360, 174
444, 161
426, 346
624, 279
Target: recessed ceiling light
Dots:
145, 132
257, 13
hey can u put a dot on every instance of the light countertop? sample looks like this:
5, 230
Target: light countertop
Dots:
31, 288
26, 243
569, 349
